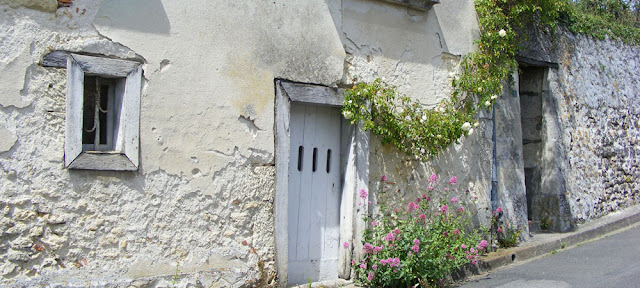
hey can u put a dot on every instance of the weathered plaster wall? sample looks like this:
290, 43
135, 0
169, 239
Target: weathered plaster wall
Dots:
203, 196
419, 53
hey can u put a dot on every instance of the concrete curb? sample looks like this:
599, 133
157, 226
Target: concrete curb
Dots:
546, 243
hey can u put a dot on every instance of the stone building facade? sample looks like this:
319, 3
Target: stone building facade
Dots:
205, 197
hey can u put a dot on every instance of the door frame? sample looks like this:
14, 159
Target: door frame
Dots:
354, 161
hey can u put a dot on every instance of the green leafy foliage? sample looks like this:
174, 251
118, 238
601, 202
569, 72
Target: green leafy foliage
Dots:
402, 122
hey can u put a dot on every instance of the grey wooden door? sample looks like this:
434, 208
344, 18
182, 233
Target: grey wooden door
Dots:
314, 193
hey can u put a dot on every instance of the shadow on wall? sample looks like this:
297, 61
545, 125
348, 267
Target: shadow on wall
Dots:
147, 16
374, 29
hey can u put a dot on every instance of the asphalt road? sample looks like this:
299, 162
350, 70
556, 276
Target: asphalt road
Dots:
612, 261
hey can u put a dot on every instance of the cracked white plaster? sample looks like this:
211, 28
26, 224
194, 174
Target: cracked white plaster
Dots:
7, 139
13, 72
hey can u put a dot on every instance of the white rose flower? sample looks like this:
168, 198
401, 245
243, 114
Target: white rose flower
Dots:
502, 33
479, 89
494, 97
424, 118
439, 136
466, 126
476, 124
347, 115
441, 109
487, 103
470, 132
349, 102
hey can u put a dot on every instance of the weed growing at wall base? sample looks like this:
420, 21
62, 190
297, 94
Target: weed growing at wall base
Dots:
429, 240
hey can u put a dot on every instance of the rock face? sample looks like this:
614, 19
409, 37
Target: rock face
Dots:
596, 89
200, 210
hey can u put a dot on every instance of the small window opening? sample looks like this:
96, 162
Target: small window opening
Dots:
315, 159
300, 155
329, 161
98, 114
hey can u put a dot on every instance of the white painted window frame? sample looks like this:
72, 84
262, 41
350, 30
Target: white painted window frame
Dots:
126, 144
354, 168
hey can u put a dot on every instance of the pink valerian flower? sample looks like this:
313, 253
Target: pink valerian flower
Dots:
374, 223
472, 251
454, 200
353, 262
499, 210
412, 206
416, 241
345, 245
363, 266
396, 231
461, 209
499, 230
453, 180
445, 234
463, 246
377, 249
446, 189
390, 237
383, 178
430, 188
474, 262
424, 196
370, 276
456, 232
422, 216
367, 248
363, 194
418, 200
394, 262
415, 248
374, 267
483, 244
433, 178
444, 209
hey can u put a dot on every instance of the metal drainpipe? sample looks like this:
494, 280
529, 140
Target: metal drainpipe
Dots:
494, 166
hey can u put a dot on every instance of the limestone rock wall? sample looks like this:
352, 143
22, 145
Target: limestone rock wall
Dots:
597, 89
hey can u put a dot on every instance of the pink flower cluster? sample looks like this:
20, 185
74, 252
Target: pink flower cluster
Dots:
363, 194
392, 262
370, 249
412, 206
370, 276
390, 237
482, 245
416, 246
444, 209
